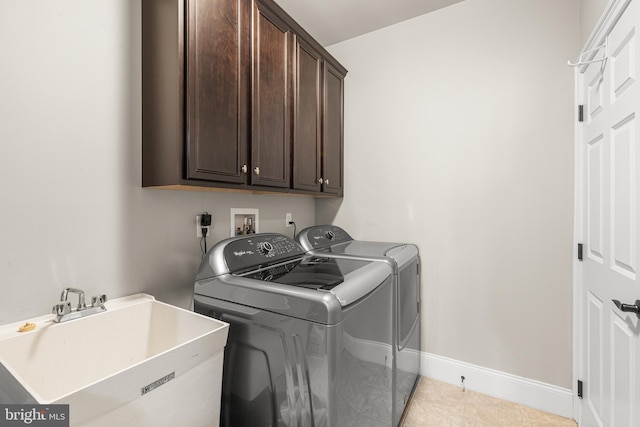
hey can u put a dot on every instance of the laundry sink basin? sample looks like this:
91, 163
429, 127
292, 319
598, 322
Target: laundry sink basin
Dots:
141, 362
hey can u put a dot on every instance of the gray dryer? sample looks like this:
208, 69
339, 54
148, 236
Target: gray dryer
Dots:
404, 259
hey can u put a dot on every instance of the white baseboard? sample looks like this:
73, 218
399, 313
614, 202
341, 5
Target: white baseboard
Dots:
532, 393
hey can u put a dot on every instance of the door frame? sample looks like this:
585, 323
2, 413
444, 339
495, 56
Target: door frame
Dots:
606, 22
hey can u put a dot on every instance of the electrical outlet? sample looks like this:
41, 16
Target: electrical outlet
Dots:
287, 219
199, 227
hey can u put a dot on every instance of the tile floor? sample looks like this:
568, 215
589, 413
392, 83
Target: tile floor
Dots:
437, 404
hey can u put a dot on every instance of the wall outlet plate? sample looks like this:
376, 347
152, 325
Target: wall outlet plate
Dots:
199, 227
287, 219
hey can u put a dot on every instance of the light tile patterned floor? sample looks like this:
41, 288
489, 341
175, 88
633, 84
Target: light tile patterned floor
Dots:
437, 404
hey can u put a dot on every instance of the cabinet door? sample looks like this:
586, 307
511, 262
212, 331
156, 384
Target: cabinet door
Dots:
332, 149
217, 80
307, 129
271, 115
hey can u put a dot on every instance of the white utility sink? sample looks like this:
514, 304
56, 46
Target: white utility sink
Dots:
141, 362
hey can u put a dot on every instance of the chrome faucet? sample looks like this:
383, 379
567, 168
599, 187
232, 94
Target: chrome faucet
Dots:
64, 312
80, 292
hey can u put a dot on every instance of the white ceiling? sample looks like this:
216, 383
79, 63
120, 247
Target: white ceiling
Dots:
332, 21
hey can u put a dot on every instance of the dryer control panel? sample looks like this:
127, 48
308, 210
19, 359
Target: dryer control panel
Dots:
322, 236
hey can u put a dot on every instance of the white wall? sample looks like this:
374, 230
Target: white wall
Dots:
590, 11
459, 137
72, 209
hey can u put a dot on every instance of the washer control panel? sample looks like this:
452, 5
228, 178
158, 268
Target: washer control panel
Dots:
259, 249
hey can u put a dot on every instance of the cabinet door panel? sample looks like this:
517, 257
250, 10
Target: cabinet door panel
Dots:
332, 157
307, 130
270, 138
216, 112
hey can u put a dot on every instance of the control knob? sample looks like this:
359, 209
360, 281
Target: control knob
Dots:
265, 248
331, 235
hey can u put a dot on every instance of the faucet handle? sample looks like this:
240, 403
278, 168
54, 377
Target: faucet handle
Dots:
98, 300
62, 308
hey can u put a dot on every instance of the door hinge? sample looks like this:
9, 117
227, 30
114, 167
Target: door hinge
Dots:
579, 251
581, 113
580, 389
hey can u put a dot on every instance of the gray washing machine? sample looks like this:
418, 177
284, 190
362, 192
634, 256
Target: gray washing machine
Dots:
404, 259
310, 337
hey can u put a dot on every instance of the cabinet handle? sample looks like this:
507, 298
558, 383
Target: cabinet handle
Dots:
256, 170
244, 168
320, 181
326, 181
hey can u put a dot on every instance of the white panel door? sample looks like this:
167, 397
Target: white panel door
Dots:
609, 337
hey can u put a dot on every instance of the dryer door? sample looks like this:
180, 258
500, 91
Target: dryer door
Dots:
408, 302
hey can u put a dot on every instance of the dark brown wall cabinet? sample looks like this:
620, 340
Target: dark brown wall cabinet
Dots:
318, 138
215, 99
271, 104
236, 95
332, 148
